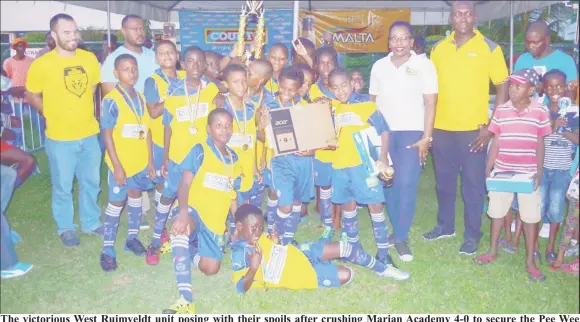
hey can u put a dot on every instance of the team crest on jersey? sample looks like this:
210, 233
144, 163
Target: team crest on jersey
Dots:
76, 80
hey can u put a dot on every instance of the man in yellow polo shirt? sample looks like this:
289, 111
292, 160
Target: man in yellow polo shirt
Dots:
465, 63
60, 85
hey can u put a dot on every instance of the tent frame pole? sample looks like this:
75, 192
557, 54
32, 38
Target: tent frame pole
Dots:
109, 23
296, 19
511, 36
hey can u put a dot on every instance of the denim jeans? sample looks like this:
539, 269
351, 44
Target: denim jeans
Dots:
451, 157
67, 159
400, 198
8, 256
553, 188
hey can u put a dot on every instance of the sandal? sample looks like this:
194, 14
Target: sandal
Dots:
502, 242
510, 249
484, 259
535, 275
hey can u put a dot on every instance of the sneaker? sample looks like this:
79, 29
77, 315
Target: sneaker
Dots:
18, 269
551, 258
135, 246
469, 247
545, 231
108, 262
152, 255
327, 234
392, 272
181, 306
69, 238
144, 223
404, 251
437, 233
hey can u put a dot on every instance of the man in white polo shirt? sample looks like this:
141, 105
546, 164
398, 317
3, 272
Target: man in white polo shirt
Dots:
404, 86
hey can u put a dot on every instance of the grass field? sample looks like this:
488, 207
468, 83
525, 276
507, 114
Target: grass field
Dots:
70, 280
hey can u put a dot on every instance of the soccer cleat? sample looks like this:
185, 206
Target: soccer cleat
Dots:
17, 270
152, 255
181, 306
134, 245
327, 234
392, 272
108, 262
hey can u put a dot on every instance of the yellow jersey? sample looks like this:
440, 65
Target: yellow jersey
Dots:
130, 133
187, 118
297, 274
212, 190
162, 83
350, 118
67, 88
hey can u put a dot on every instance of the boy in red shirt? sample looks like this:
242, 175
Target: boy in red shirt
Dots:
519, 126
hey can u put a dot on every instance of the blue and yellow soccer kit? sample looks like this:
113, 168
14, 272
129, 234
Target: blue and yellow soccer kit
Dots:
156, 87
303, 268
217, 176
323, 158
129, 120
188, 121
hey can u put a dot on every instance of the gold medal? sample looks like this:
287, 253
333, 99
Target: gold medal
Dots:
141, 135
245, 147
244, 133
192, 110
192, 130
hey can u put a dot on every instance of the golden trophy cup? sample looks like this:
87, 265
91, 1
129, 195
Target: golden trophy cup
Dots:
252, 10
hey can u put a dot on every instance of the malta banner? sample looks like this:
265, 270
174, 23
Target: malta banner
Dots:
353, 31
218, 31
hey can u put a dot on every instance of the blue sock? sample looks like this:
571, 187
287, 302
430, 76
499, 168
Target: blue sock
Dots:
271, 214
379, 223
158, 195
350, 226
182, 265
355, 254
326, 207
134, 209
231, 224
111, 224
291, 224
258, 199
161, 213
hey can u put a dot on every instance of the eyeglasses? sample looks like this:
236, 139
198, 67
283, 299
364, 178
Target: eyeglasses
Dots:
466, 14
396, 39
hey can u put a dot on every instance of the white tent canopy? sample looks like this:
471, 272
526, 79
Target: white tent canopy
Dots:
166, 10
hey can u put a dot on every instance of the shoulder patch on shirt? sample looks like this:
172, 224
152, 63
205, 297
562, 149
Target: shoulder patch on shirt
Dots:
491, 44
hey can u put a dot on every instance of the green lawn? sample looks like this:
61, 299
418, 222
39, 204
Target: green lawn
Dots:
70, 280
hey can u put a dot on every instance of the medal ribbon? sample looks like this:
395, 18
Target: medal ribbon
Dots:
127, 98
192, 112
238, 120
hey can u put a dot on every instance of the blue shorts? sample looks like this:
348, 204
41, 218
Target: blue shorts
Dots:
326, 271
322, 173
256, 190
209, 244
157, 162
267, 175
174, 174
293, 179
350, 184
139, 181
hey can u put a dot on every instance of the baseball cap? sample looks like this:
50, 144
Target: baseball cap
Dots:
523, 76
16, 41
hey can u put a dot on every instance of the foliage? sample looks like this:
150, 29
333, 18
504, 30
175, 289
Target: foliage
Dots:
35, 37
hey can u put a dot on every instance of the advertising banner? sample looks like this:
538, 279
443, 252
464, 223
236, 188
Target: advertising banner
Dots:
218, 31
353, 31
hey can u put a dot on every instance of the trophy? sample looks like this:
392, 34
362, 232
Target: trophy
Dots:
368, 145
251, 10
564, 104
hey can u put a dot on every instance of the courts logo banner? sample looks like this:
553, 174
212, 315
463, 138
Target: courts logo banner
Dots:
218, 31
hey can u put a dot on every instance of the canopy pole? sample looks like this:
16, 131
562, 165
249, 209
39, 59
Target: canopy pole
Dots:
295, 33
109, 23
511, 36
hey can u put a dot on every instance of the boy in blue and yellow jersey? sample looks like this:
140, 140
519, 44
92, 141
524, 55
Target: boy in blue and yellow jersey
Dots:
325, 61
129, 157
259, 72
292, 175
350, 182
278, 57
213, 72
155, 93
307, 266
188, 103
211, 176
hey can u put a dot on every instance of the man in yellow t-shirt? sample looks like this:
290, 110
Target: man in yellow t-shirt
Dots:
466, 61
60, 85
